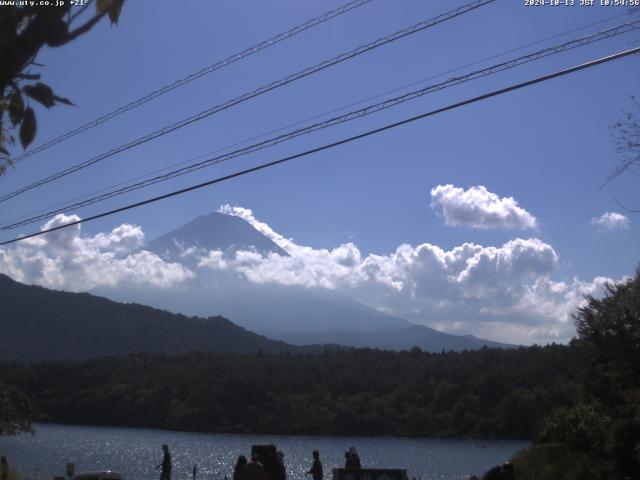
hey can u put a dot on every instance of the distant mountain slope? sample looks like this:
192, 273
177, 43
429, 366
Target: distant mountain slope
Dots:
215, 231
290, 313
41, 324
401, 338
273, 308
267, 309
261, 308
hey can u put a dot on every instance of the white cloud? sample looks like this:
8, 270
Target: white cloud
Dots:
479, 208
66, 260
508, 292
611, 221
504, 292
246, 214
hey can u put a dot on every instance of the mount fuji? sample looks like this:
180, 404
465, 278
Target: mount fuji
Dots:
292, 314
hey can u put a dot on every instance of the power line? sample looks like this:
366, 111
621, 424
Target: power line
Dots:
512, 50
265, 88
343, 141
194, 76
63, 206
341, 119
374, 108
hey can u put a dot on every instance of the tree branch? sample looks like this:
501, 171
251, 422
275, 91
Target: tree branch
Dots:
28, 76
87, 26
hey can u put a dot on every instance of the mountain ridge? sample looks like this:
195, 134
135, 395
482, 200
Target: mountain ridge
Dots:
43, 324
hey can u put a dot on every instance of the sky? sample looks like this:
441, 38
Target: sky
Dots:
500, 206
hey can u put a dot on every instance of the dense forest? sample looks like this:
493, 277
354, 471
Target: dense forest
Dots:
489, 392
578, 402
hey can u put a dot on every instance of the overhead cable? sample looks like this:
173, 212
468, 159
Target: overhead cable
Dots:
362, 112
265, 88
343, 141
194, 76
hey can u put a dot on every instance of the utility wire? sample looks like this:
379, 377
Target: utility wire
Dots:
321, 125
265, 88
477, 62
343, 141
63, 206
194, 76
374, 108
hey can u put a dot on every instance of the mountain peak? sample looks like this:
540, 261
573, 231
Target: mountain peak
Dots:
215, 231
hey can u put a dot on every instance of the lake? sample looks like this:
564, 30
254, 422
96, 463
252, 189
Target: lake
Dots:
135, 452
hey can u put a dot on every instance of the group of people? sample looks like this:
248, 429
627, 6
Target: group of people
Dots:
271, 468
266, 465
269, 465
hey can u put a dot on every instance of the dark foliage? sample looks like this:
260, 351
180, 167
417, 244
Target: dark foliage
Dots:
486, 393
42, 324
24, 30
16, 411
626, 134
599, 433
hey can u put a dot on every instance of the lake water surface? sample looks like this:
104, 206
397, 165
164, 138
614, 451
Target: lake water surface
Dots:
135, 452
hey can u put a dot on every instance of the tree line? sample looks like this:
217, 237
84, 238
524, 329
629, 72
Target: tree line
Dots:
484, 393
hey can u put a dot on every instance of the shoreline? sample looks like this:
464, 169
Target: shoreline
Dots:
277, 434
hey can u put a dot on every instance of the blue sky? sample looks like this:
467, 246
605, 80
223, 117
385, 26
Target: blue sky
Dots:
548, 146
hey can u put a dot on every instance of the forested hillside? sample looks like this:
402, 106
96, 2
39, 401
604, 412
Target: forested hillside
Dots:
43, 324
489, 392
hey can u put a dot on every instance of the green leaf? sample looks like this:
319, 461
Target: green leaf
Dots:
101, 5
42, 93
16, 108
114, 8
64, 100
28, 127
114, 11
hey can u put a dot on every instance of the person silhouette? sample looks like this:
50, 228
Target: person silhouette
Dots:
239, 468
316, 467
356, 458
254, 470
165, 473
4, 468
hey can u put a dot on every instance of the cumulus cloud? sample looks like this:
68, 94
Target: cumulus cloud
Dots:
66, 260
247, 215
477, 207
508, 292
611, 221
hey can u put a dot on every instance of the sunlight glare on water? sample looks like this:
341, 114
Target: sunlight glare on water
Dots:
135, 453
